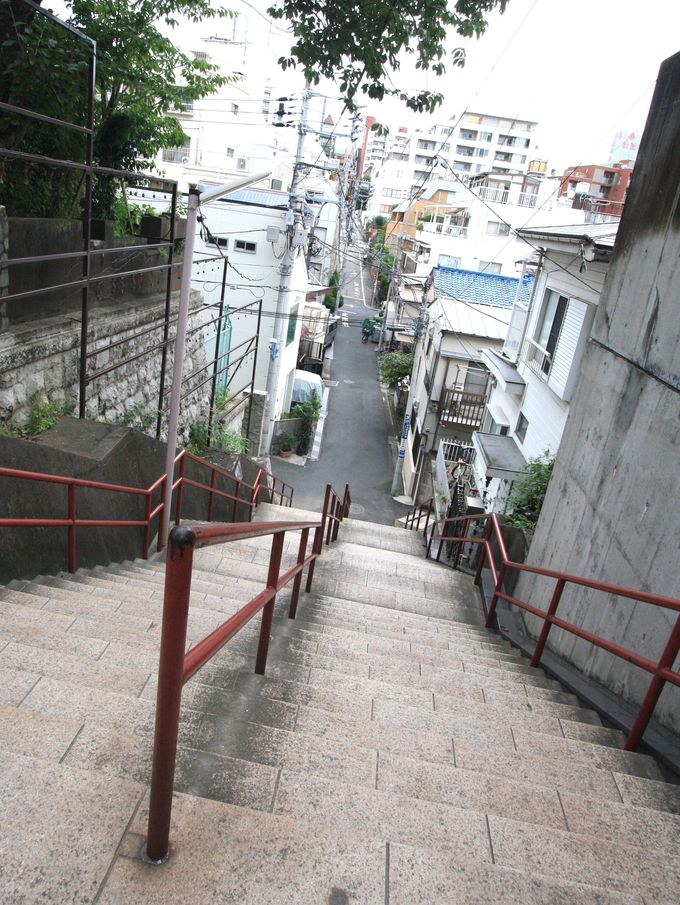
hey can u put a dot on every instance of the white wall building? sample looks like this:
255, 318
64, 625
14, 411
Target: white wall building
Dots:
536, 372
249, 229
478, 143
467, 314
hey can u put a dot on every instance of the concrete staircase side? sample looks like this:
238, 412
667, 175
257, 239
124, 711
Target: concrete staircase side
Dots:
395, 751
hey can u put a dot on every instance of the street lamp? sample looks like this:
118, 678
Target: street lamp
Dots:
196, 198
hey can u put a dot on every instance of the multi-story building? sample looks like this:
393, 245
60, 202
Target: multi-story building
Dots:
536, 371
467, 313
471, 144
597, 186
473, 224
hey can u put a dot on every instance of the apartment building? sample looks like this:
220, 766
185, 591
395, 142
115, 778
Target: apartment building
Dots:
598, 186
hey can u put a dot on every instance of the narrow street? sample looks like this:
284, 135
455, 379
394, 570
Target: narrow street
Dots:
356, 442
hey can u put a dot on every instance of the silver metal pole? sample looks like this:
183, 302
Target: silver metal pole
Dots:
178, 360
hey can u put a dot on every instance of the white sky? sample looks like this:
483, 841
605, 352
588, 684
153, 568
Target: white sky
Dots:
583, 69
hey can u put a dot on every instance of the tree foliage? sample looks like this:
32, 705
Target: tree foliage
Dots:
394, 366
140, 77
359, 44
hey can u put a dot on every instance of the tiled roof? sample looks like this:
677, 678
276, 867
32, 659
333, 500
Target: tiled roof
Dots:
481, 288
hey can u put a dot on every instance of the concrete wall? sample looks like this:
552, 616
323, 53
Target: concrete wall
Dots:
612, 509
99, 452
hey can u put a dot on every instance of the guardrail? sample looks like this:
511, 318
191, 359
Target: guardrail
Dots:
71, 521
176, 667
662, 671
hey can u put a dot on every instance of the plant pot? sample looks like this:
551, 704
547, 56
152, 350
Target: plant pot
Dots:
285, 453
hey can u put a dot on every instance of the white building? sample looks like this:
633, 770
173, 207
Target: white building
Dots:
536, 371
467, 315
472, 144
248, 228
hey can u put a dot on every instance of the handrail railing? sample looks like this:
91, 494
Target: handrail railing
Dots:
416, 514
176, 667
335, 510
662, 671
70, 520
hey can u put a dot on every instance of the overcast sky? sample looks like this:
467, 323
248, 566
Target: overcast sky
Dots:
582, 68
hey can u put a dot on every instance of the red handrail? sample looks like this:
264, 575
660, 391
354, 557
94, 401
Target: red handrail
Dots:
414, 516
661, 671
176, 667
71, 520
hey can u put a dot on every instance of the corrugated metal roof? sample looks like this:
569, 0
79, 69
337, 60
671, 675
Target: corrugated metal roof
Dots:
259, 197
481, 288
600, 234
474, 320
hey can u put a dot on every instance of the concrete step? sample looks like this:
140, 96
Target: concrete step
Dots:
382, 537
418, 877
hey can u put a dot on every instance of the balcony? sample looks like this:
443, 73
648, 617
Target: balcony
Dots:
445, 229
458, 408
526, 199
487, 193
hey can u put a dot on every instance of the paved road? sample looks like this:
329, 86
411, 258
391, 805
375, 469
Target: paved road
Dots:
356, 446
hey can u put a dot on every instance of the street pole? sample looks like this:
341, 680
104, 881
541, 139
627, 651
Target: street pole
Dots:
194, 200
397, 480
285, 271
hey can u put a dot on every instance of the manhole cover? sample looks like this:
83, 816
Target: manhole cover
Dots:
356, 509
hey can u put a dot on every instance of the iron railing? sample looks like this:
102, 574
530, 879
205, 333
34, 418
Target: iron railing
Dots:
458, 407
244, 495
662, 671
176, 667
415, 515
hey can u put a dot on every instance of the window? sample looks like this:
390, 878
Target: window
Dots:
241, 163
230, 152
462, 167
448, 261
548, 329
200, 55
277, 185
391, 193
220, 241
292, 323
234, 108
486, 136
489, 267
468, 135
464, 151
481, 152
473, 118
521, 428
496, 228
247, 247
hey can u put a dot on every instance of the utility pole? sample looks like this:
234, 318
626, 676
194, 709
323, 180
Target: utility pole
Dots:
294, 231
347, 192
397, 480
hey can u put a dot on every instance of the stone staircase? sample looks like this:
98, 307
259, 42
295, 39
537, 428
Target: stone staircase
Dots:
395, 752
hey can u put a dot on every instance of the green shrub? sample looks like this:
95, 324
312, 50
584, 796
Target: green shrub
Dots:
309, 412
523, 505
394, 366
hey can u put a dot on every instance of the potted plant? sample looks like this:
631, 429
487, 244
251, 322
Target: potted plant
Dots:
284, 444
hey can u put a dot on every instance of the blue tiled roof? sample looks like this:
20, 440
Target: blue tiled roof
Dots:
481, 288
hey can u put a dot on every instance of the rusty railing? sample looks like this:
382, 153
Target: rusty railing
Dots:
176, 667
415, 515
662, 671
70, 519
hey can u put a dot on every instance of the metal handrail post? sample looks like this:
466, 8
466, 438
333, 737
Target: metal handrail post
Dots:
324, 514
494, 599
483, 553
72, 528
547, 624
147, 526
302, 552
317, 546
656, 686
268, 611
173, 640
211, 495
